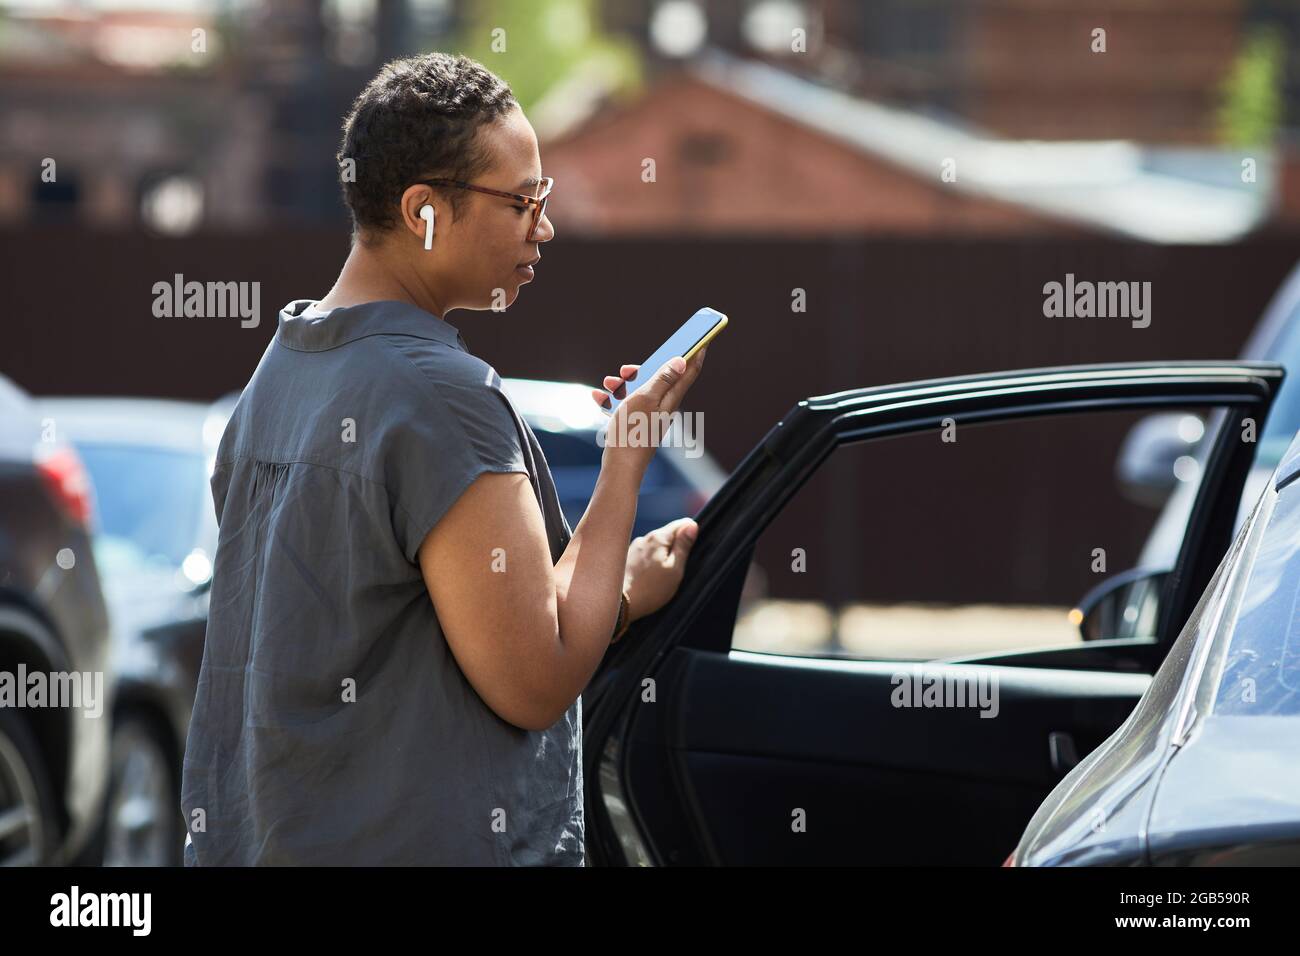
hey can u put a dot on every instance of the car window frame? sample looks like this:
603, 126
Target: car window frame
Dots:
816, 427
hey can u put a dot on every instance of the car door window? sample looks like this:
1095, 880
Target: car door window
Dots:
959, 541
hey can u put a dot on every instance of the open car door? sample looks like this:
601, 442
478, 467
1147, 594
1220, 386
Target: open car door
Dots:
695, 753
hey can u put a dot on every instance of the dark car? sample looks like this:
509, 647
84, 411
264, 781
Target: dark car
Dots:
677, 482
1206, 770
698, 753
53, 757
149, 461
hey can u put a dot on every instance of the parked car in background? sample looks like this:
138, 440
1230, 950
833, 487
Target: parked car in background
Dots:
677, 483
150, 462
1206, 770
53, 759
1162, 459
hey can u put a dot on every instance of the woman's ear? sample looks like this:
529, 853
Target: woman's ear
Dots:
415, 199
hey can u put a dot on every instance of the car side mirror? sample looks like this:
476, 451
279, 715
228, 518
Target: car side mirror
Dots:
1125, 605
1151, 460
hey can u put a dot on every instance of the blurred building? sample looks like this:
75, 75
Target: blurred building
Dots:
1128, 97
1017, 68
910, 117
222, 116
726, 145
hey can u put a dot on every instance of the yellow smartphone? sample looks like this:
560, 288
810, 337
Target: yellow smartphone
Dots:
695, 333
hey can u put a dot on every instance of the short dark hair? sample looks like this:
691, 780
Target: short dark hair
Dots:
418, 116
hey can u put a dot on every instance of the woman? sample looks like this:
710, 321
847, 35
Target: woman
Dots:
401, 620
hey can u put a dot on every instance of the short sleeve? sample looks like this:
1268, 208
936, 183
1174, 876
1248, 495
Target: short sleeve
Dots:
433, 454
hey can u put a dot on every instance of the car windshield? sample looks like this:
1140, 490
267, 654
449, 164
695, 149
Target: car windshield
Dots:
1284, 419
1261, 670
147, 502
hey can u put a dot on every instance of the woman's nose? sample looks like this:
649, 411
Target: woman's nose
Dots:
545, 229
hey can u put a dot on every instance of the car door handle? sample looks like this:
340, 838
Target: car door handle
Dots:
1065, 756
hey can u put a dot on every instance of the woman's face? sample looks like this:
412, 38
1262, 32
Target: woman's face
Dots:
490, 240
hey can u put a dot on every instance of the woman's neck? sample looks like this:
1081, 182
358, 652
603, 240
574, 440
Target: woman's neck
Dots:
373, 274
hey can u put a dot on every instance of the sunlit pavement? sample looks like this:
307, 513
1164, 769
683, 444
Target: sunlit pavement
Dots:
899, 631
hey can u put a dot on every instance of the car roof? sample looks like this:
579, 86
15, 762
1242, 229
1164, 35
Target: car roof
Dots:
1267, 336
567, 406
556, 406
154, 422
183, 425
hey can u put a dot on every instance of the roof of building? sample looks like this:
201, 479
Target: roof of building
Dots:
1156, 194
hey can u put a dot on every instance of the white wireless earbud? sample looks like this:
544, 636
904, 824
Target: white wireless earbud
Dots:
426, 213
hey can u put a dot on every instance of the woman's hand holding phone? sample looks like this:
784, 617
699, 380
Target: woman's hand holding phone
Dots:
655, 561
643, 416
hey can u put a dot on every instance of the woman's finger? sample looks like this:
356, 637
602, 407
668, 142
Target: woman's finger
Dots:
673, 397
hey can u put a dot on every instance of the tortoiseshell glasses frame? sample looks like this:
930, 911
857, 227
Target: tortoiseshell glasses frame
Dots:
537, 202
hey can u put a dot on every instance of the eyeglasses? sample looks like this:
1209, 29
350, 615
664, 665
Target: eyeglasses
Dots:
537, 202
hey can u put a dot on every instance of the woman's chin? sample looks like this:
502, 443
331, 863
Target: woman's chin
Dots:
502, 298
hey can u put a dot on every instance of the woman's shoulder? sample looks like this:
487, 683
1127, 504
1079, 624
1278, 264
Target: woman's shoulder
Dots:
422, 367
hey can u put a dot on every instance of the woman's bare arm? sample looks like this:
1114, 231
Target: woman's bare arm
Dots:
528, 635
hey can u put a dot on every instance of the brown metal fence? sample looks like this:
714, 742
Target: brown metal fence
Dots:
79, 320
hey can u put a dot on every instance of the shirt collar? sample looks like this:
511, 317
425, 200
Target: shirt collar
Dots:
349, 323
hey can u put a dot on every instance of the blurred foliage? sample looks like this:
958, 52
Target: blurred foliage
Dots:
1252, 104
545, 42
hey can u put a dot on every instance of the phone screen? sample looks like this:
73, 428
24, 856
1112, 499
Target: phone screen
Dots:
692, 332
